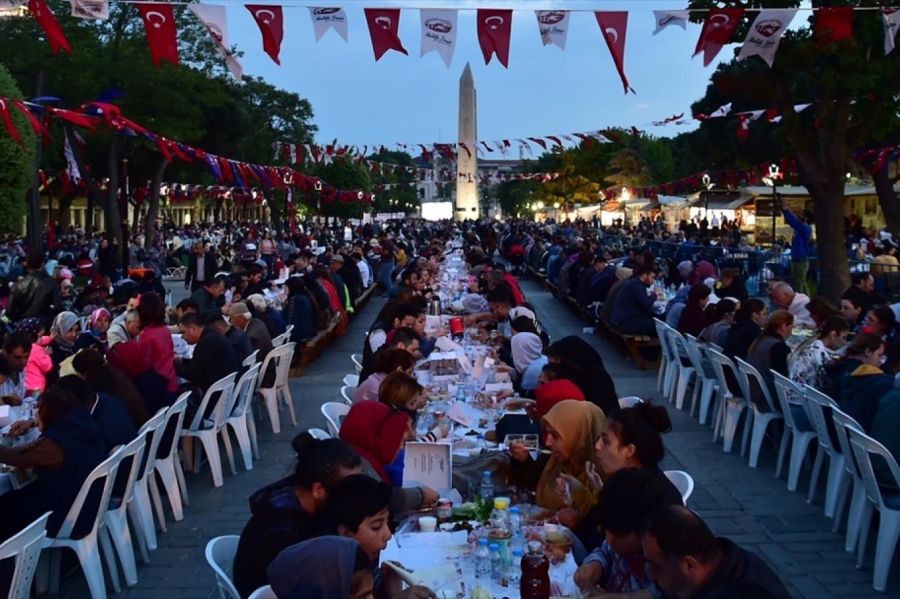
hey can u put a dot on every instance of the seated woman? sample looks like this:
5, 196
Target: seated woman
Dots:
286, 512
691, 320
156, 338
129, 358
587, 369
770, 352
103, 378
528, 359
378, 432
323, 568
864, 386
95, 336
808, 362
403, 392
298, 311
386, 362
717, 332
64, 331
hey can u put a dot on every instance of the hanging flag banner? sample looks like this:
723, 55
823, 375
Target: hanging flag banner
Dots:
214, 18
765, 33
664, 18
891, 18
554, 26
270, 20
159, 23
614, 26
71, 163
717, 31
834, 24
90, 9
384, 27
328, 18
494, 34
45, 18
439, 29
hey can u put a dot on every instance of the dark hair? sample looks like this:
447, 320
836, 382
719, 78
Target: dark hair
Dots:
821, 309
627, 499
86, 362
17, 339
835, 324
214, 319
854, 301
402, 311
187, 304
680, 533
885, 316
418, 303
34, 259
404, 335
391, 359
320, 461
558, 371
191, 319
642, 425
725, 306
5, 368
151, 309
858, 277
862, 344
748, 309
697, 293
54, 404
523, 324
219, 279
353, 499
407, 274
642, 270
295, 286
75, 385
501, 294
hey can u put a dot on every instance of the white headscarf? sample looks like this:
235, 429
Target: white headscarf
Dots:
526, 348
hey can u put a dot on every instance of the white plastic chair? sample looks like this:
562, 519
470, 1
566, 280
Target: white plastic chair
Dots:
87, 547
265, 592
240, 416
750, 379
730, 407
685, 373
140, 509
357, 361
843, 422
664, 358
670, 359
333, 413
280, 340
629, 402
786, 389
816, 405
864, 447
168, 467
280, 358
319, 434
116, 516
206, 430
220, 557
351, 380
251, 359
347, 394
287, 332
25, 548
705, 385
683, 481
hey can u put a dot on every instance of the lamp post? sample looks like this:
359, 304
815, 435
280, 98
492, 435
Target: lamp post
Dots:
772, 181
708, 184
318, 188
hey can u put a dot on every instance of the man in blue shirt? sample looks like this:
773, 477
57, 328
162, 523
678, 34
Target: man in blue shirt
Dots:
632, 312
799, 246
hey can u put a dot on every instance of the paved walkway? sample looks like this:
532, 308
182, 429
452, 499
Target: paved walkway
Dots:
750, 506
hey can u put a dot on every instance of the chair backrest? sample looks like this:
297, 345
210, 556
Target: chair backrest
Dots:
347, 394
153, 433
220, 557
694, 349
351, 380
864, 447
319, 434
752, 380
243, 392
333, 413
251, 359
629, 402
103, 475
721, 362
665, 341
842, 422
265, 592
222, 391
787, 390
174, 422
357, 361
281, 356
25, 548
279, 340
683, 481
817, 407
677, 343
131, 457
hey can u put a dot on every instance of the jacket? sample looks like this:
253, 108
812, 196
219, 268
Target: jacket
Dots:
741, 575
277, 521
861, 391
209, 269
213, 360
770, 353
261, 341
632, 302
37, 295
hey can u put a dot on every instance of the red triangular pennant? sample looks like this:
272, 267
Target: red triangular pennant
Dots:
494, 33
614, 26
45, 18
384, 27
270, 20
834, 24
717, 30
159, 23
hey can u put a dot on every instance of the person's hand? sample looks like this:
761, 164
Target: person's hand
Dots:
569, 517
441, 332
519, 452
566, 485
504, 368
595, 482
444, 430
588, 575
504, 393
415, 592
429, 496
20, 427
12, 400
470, 320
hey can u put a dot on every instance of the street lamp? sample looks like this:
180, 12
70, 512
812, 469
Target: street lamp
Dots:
708, 184
318, 188
772, 181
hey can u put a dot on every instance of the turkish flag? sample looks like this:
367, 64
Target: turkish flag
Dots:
159, 23
614, 26
44, 17
717, 30
494, 33
384, 25
271, 24
834, 24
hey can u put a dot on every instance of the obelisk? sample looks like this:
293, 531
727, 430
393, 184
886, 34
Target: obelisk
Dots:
467, 151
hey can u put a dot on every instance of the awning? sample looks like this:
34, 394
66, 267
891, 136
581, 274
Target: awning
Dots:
731, 202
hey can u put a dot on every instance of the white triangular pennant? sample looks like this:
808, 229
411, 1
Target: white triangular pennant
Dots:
891, 18
325, 18
554, 26
439, 33
213, 18
765, 33
90, 9
664, 18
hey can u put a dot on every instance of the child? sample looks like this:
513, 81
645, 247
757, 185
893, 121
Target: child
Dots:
39, 361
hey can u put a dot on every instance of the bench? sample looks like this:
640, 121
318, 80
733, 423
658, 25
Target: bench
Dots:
631, 346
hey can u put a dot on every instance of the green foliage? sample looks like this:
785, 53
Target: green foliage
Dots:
514, 196
343, 174
402, 195
17, 172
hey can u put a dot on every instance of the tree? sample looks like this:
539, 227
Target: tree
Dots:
402, 195
344, 174
851, 85
513, 196
17, 174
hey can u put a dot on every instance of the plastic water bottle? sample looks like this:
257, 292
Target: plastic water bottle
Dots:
482, 560
460, 393
496, 563
514, 572
487, 484
515, 527
479, 443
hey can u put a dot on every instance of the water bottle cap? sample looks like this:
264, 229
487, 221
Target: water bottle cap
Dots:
495, 547
482, 542
514, 510
517, 552
487, 473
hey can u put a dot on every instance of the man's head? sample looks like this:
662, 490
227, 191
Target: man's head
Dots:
217, 322
239, 314
185, 306
357, 507
255, 274
216, 287
337, 262
851, 311
500, 302
782, 295
681, 550
405, 338
599, 263
405, 316
133, 323
190, 328
409, 278
34, 260
645, 274
16, 350
864, 281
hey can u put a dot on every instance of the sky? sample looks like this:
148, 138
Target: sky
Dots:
545, 91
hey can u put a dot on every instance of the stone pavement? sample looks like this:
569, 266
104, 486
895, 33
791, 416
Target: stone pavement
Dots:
750, 506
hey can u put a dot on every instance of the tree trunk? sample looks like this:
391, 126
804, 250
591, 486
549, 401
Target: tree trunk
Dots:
34, 224
887, 198
275, 209
111, 201
153, 206
826, 186
65, 216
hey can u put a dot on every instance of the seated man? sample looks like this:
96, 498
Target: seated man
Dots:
632, 312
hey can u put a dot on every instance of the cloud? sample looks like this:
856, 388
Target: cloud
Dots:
641, 106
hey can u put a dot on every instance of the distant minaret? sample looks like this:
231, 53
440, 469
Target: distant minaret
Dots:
467, 162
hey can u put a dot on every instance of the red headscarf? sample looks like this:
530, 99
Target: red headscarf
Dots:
375, 431
551, 393
129, 357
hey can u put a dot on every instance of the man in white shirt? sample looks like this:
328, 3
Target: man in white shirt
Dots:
785, 298
365, 272
17, 348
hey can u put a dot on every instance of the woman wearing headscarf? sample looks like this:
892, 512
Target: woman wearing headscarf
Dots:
378, 433
587, 370
705, 270
64, 331
95, 336
323, 568
528, 359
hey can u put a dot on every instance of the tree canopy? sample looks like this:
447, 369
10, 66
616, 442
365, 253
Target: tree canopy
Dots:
17, 173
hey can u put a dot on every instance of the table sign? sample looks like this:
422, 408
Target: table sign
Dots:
432, 323
446, 344
459, 414
428, 465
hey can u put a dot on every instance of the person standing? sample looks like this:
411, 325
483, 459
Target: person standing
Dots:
201, 267
799, 246
37, 295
